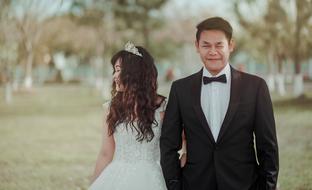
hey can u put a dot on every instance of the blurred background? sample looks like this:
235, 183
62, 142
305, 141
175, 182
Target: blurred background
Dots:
55, 74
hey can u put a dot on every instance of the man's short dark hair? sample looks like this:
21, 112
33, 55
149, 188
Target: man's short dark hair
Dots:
215, 23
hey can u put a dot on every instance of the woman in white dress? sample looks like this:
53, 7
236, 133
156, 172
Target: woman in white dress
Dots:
129, 156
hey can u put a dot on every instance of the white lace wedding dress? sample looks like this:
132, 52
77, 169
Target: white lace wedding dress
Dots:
136, 165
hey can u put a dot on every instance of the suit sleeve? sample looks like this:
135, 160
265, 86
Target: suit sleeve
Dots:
171, 142
266, 141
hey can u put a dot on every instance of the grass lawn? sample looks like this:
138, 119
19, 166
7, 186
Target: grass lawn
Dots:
50, 137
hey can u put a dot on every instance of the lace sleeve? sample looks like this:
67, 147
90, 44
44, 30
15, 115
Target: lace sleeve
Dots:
163, 106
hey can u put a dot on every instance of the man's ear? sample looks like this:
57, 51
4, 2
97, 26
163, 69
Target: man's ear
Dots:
231, 45
196, 45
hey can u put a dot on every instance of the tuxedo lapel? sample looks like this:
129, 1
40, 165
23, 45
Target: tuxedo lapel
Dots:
233, 104
196, 92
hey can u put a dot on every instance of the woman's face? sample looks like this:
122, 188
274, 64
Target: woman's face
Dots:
116, 76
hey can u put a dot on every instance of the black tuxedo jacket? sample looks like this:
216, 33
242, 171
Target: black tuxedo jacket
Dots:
233, 162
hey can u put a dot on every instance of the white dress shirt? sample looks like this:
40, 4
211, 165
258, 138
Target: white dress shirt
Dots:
215, 98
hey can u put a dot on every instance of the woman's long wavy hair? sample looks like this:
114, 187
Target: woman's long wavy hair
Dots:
138, 101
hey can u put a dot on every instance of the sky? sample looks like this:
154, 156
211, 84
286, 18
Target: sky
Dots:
185, 9
196, 8
192, 7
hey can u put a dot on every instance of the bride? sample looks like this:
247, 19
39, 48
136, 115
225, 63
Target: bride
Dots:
129, 156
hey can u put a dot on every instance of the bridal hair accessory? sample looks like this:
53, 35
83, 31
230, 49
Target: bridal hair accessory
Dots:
130, 47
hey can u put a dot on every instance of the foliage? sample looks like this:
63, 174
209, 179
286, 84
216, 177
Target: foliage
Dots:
277, 31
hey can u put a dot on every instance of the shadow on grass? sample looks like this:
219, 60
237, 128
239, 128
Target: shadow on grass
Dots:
301, 103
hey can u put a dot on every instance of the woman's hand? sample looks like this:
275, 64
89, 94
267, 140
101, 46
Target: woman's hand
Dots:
183, 159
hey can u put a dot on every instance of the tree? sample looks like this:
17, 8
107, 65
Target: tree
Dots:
279, 37
266, 32
29, 16
301, 45
8, 47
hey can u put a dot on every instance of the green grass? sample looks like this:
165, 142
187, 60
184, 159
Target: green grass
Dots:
294, 129
49, 139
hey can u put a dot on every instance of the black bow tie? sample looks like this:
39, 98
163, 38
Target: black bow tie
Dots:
221, 78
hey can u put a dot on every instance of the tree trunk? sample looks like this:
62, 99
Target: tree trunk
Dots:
270, 82
280, 78
270, 77
298, 78
8, 92
298, 85
28, 77
145, 33
97, 64
7, 80
280, 81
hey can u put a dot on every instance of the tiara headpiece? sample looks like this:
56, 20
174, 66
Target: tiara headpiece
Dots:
130, 47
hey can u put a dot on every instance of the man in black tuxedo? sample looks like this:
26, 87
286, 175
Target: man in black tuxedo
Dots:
222, 112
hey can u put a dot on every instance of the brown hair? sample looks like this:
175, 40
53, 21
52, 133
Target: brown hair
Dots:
138, 102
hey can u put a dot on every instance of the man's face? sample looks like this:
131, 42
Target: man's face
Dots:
214, 50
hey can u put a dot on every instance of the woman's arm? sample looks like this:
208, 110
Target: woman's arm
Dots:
107, 149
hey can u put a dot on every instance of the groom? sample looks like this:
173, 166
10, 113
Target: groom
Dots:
222, 112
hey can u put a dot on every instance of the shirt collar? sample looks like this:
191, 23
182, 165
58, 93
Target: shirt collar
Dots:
226, 70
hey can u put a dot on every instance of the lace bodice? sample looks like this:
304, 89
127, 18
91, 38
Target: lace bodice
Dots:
135, 165
128, 149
